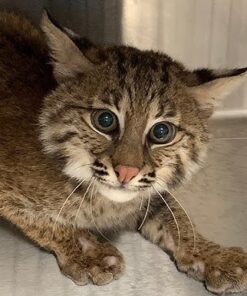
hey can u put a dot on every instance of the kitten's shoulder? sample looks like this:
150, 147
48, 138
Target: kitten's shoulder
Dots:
17, 29
24, 58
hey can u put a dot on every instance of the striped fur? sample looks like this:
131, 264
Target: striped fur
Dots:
58, 183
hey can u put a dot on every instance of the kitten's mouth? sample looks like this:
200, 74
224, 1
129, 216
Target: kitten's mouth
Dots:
120, 186
119, 194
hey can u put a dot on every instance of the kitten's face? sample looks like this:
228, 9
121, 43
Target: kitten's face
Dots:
134, 115
132, 109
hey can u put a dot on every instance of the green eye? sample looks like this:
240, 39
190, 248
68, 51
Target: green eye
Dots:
104, 120
162, 133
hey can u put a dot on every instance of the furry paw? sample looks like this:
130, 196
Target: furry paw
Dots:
223, 272
226, 272
95, 262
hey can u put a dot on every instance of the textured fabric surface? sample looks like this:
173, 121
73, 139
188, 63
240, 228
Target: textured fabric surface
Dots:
215, 198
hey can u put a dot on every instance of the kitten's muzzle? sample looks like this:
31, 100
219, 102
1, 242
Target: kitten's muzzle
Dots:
126, 173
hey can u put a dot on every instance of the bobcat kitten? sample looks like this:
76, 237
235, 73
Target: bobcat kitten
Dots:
88, 132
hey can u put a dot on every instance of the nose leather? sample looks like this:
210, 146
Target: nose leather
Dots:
126, 173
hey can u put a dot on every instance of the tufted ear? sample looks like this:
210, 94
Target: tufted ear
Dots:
209, 87
68, 59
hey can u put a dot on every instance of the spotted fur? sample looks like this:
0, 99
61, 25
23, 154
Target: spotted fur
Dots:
58, 183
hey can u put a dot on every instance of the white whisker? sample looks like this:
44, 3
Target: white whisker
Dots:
92, 216
187, 215
147, 210
175, 220
66, 200
84, 196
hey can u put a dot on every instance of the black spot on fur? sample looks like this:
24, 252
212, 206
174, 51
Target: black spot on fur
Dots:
152, 174
101, 172
205, 75
145, 180
99, 164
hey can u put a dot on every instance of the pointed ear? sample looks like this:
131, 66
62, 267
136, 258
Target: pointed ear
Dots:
210, 87
68, 60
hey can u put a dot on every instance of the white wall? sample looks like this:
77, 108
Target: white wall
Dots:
199, 33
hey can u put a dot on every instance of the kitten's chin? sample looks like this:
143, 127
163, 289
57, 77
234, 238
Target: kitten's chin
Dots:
116, 194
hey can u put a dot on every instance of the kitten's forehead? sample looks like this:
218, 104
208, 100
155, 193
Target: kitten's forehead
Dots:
144, 82
145, 71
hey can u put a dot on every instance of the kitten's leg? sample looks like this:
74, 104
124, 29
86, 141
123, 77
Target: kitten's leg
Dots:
80, 256
222, 269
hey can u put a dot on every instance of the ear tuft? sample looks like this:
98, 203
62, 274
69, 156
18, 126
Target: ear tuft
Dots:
210, 87
68, 60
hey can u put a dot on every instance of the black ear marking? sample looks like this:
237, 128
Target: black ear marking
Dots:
52, 19
206, 75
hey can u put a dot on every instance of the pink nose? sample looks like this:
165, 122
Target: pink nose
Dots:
126, 173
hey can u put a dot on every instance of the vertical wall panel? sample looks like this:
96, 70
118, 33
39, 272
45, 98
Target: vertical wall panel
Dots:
201, 42
199, 33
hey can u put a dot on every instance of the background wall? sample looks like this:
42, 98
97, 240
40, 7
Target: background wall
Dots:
199, 33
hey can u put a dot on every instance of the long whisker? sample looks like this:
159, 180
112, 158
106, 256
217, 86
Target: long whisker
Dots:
175, 220
147, 210
187, 215
66, 200
84, 196
92, 216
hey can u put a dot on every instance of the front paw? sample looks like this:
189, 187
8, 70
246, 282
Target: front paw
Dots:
99, 263
223, 272
226, 272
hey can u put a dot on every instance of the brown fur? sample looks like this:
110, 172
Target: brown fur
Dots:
49, 150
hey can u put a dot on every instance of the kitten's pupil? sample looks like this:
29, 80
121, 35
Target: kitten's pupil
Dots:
162, 133
105, 119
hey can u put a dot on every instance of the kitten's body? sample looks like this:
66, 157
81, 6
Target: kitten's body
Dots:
28, 178
49, 147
